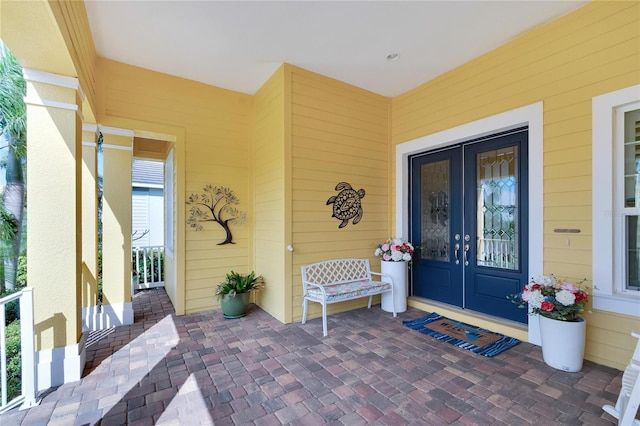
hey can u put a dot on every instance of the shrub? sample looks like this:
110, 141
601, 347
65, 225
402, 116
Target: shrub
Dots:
12, 309
14, 360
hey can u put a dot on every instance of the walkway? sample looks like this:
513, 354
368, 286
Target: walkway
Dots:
203, 369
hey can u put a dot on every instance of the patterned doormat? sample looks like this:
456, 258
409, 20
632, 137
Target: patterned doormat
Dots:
469, 337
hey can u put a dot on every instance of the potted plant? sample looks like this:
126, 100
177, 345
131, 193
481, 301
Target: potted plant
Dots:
395, 255
557, 304
233, 293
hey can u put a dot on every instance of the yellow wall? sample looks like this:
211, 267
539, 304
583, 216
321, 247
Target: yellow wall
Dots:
564, 64
116, 219
89, 218
269, 176
215, 123
325, 132
339, 133
54, 198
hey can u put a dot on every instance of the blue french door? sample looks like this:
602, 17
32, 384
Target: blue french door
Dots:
469, 219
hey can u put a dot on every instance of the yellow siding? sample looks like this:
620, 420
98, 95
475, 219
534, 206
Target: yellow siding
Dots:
564, 64
215, 123
339, 133
270, 217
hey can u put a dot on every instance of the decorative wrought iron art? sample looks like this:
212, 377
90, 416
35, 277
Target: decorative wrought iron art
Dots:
347, 204
215, 204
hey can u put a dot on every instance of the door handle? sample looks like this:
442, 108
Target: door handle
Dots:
466, 249
456, 251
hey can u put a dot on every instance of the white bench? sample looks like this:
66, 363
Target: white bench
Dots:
338, 280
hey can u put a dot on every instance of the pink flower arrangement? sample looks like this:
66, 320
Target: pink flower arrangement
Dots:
549, 297
395, 250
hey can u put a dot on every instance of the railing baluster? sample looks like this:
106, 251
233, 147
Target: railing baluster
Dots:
27, 345
149, 270
29, 385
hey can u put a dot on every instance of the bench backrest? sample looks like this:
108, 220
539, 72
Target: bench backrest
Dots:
336, 271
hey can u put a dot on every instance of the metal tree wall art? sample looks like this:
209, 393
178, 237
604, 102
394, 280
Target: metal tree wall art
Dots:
346, 205
215, 204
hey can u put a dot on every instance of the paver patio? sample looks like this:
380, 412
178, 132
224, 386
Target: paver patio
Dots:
203, 369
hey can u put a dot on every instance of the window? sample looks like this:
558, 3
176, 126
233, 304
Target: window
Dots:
628, 162
616, 201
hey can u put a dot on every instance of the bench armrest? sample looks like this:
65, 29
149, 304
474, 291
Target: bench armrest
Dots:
319, 286
381, 275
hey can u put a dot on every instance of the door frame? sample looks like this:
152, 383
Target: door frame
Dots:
530, 116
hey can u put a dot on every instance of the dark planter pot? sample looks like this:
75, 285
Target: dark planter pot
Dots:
234, 306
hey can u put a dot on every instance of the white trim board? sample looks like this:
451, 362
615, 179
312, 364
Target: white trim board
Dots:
531, 116
30, 74
60, 365
107, 316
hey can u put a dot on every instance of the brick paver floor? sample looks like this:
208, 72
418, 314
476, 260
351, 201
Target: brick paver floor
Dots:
202, 369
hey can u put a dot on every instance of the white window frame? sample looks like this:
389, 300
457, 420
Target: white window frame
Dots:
608, 262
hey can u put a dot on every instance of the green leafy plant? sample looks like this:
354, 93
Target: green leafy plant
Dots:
236, 283
14, 360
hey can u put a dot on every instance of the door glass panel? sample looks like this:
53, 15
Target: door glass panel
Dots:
497, 212
434, 210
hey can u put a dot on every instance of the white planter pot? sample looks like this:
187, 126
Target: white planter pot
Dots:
563, 343
398, 273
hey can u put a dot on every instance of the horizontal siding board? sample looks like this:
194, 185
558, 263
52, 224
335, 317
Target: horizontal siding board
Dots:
571, 198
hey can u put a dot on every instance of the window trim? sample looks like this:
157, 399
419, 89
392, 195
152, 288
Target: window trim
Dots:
608, 293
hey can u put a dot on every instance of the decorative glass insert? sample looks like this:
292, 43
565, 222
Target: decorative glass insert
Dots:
497, 208
632, 158
434, 210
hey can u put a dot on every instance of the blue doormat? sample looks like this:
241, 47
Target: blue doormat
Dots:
469, 337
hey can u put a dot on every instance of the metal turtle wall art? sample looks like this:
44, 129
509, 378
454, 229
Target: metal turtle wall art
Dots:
347, 204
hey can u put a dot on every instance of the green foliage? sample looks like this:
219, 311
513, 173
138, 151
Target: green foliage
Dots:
236, 283
14, 360
152, 263
13, 110
21, 276
12, 309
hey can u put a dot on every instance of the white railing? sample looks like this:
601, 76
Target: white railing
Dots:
27, 347
147, 267
497, 253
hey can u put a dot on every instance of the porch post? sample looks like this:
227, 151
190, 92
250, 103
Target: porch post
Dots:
117, 151
54, 235
89, 226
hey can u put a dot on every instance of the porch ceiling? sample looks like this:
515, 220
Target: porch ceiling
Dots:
237, 45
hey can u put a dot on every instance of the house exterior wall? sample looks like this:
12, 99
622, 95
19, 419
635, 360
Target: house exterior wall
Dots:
564, 64
270, 174
147, 215
339, 133
335, 132
216, 128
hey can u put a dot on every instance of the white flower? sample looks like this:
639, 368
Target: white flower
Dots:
535, 298
396, 256
406, 257
546, 280
378, 251
566, 297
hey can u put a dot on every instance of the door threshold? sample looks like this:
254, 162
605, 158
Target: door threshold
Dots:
470, 313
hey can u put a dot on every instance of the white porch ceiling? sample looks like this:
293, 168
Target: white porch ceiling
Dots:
237, 45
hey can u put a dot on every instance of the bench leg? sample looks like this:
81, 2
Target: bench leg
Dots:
324, 319
370, 300
304, 311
